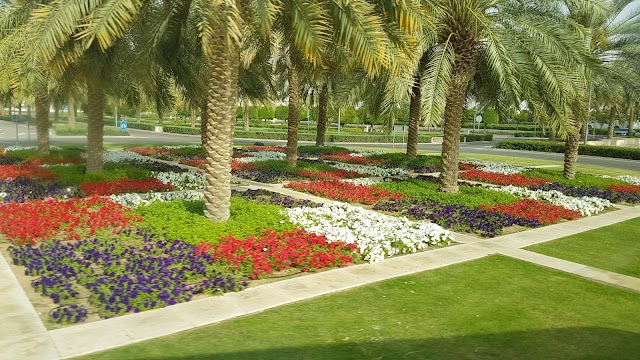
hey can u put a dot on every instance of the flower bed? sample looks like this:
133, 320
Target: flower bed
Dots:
586, 205
28, 171
631, 189
258, 148
123, 186
199, 163
539, 210
36, 221
132, 273
268, 197
502, 179
583, 191
329, 175
133, 200
456, 217
493, 167
376, 235
342, 191
265, 175
273, 251
21, 190
149, 151
350, 159
182, 180
9, 160
117, 156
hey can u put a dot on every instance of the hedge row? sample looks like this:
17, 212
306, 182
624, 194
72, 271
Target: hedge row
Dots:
81, 129
558, 147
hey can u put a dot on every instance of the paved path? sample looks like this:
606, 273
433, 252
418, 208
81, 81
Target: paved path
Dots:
23, 336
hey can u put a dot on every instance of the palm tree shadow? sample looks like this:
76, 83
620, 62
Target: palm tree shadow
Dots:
565, 343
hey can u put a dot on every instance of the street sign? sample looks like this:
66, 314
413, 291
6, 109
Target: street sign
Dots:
123, 125
479, 119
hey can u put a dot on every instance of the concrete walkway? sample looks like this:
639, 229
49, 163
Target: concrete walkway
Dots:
23, 335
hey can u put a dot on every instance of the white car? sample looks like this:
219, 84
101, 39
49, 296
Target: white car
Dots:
623, 132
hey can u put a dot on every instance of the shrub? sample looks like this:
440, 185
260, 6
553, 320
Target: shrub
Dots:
81, 129
141, 126
344, 191
558, 147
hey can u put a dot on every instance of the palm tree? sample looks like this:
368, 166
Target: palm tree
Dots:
517, 44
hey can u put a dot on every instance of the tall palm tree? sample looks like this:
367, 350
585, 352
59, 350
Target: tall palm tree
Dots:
506, 37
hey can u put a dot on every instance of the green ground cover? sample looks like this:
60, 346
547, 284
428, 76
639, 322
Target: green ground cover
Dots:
496, 307
615, 248
184, 220
580, 179
471, 196
76, 174
62, 153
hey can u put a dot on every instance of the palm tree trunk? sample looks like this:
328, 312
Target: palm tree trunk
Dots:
463, 71
96, 100
293, 119
321, 128
56, 112
571, 152
414, 117
71, 112
217, 134
42, 121
245, 115
632, 119
203, 124
234, 67
612, 122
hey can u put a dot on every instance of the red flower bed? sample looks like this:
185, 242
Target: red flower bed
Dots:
535, 210
348, 158
502, 179
55, 161
467, 166
267, 148
199, 163
29, 171
123, 186
148, 151
273, 251
35, 221
330, 175
237, 165
632, 189
344, 191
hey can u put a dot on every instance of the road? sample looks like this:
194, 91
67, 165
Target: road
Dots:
8, 137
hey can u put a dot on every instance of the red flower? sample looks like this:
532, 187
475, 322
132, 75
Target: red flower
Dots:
40, 220
535, 210
29, 171
267, 148
148, 151
625, 188
502, 179
330, 175
123, 186
273, 251
348, 158
344, 191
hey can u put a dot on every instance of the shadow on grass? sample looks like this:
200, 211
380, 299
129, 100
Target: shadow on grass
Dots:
565, 343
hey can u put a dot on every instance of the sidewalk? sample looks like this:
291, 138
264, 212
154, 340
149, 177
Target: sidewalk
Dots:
23, 335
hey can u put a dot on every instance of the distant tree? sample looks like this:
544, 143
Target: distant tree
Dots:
490, 116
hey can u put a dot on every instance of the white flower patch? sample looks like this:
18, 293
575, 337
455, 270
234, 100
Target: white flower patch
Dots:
117, 156
634, 180
363, 181
20, 147
262, 156
132, 200
587, 205
178, 147
370, 170
376, 235
182, 180
497, 167
356, 152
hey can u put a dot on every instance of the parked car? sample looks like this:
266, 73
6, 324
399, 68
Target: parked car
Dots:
623, 132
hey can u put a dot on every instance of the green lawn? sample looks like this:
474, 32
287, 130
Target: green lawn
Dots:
496, 307
615, 248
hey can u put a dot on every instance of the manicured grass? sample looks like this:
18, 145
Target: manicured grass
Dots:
471, 196
615, 248
495, 307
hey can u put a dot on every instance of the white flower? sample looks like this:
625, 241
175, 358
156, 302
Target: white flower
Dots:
177, 147
498, 168
262, 156
21, 147
376, 235
357, 152
369, 170
182, 180
363, 181
586, 205
626, 178
117, 156
135, 200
